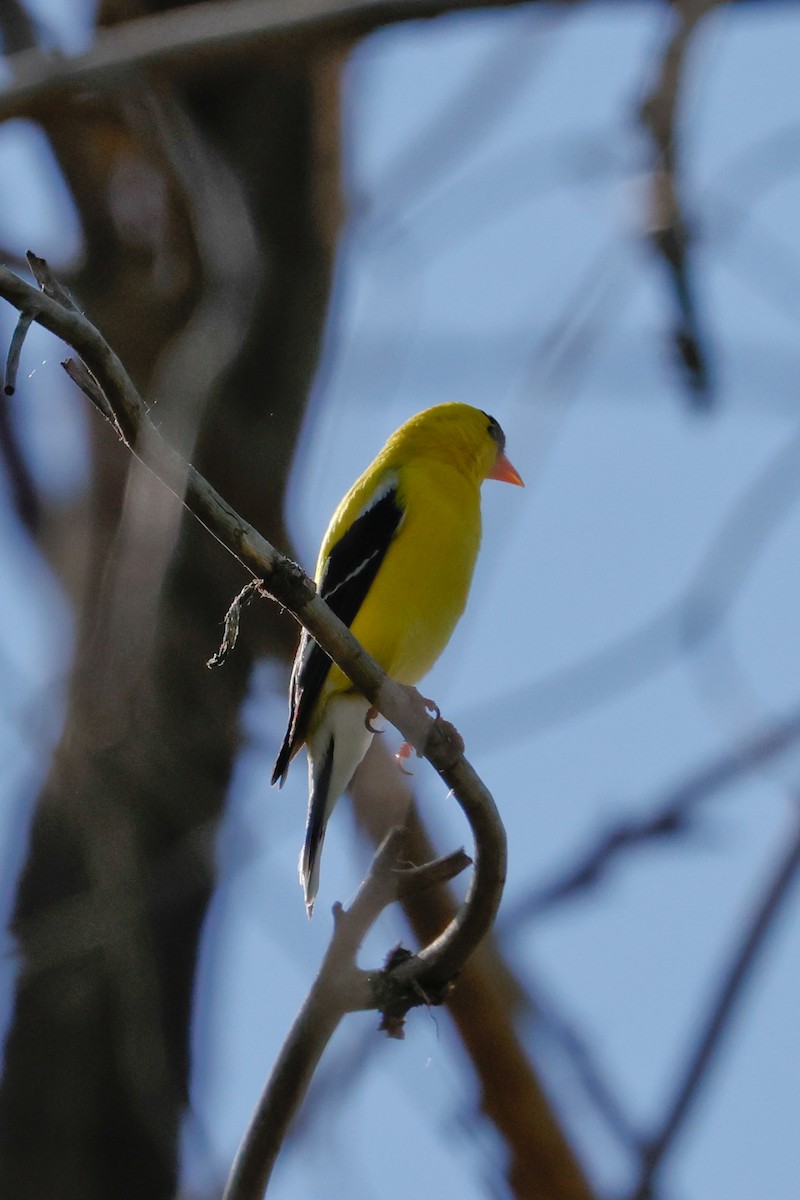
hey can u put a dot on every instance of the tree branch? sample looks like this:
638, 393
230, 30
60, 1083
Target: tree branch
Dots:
340, 987
212, 31
209, 31
670, 229
402, 985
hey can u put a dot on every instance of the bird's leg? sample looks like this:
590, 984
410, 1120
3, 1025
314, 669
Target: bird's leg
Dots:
371, 714
402, 754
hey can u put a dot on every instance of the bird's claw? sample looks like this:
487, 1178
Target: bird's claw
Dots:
420, 704
372, 713
403, 753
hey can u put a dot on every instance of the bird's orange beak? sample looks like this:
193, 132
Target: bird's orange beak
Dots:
504, 471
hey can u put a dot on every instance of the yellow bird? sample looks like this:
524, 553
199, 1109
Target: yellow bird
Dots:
395, 565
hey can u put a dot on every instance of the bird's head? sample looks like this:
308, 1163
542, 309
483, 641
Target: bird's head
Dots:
460, 434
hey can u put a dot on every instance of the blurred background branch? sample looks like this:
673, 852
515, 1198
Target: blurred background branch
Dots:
670, 816
298, 223
670, 225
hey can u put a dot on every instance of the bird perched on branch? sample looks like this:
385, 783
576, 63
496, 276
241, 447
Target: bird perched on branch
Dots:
395, 565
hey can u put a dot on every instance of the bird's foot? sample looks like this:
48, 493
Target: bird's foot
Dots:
372, 713
402, 754
421, 706
448, 742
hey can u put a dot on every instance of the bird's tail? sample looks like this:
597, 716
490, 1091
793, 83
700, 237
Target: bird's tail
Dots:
286, 753
335, 749
318, 810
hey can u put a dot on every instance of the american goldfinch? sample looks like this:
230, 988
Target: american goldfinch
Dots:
395, 565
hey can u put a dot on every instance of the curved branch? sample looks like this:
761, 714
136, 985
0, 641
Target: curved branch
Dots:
340, 987
434, 967
418, 978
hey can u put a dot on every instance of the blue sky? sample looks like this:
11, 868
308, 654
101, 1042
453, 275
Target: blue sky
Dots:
494, 254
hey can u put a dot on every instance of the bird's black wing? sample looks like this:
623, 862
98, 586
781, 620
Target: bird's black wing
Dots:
349, 571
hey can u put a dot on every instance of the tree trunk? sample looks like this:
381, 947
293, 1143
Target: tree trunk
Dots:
120, 866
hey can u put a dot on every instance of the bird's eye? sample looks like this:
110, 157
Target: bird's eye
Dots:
495, 432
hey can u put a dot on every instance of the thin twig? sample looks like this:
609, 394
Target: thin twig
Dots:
233, 618
52, 287
14, 350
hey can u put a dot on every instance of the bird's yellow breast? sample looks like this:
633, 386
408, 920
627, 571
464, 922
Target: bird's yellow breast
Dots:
421, 588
